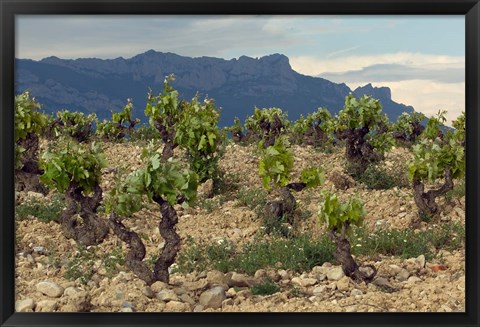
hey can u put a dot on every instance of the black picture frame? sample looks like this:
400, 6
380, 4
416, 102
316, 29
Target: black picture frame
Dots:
11, 8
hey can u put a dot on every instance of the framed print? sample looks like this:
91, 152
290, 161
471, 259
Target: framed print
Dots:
239, 163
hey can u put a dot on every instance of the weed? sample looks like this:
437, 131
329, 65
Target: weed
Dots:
457, 192
253, 198
276, 226
407, 243
379, 178
302, 253
144, 133
210, 205
151, 260
53, 260
298, 254
218, 255
226, 183
112, 260
42, 211
207, 204
425, 216
296, 292
191, 257
81, 266
449, 236
266, 288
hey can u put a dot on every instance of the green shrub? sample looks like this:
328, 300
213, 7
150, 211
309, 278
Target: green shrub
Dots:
379, 178
266, 288
406, 243
81, 266
458, 190
112, 260
298, 254
199, 256
43, 211
272, 225
302, 253
144, 133
253, 198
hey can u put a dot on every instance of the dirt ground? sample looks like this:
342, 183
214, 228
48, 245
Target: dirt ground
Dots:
402, 285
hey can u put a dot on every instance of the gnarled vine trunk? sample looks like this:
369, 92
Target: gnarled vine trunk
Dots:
286, 204
408, 139
358, 151
425, 201
271, 130
134, 258
343, 255
27, 177
171, 238
168, 138
315, 136
92, 230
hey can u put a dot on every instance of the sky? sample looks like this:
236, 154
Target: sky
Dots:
421, 58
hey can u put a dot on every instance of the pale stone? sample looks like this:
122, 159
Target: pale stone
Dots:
351, 308
319, 270
335, 273
284, 275
414, 279
420, 260
148, 292
187, 299
343, 284
46, 306
216, 277
198, 308
158, 286
231, 292
240, 280
25, 305
304, 282
167, 295
50, 289
69, 291
356, 292
226, 303
260, 273
176, 306
403, 275
213, 297
319, 290
395, 269
78, 302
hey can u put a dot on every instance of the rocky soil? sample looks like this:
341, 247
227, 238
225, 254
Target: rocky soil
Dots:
401, 285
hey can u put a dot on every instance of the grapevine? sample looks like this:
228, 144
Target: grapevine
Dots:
338, 217
75, 169
29, 123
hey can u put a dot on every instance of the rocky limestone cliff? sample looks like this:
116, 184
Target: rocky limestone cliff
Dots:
237, 85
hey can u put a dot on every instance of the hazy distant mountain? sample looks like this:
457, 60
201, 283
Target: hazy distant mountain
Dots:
237, 85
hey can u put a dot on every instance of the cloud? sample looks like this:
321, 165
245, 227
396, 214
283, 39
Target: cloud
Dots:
104, 37
427, 97
427, 82
444, 73
336, 53
314, 66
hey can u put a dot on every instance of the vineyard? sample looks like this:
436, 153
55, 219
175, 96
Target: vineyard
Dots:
328, 213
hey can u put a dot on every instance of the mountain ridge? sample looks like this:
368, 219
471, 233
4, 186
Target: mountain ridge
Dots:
237, 85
